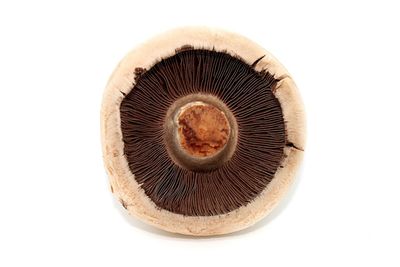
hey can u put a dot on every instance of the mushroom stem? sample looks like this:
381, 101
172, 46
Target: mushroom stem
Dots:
201, 132
203, 129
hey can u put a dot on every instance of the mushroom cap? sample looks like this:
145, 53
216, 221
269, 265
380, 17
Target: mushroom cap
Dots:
122, 180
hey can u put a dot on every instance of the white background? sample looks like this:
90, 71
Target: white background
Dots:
55, 205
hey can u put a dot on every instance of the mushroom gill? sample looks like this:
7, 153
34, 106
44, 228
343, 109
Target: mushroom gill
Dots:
203, 132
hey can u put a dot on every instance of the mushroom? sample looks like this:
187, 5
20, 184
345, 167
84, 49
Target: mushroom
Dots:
202, 132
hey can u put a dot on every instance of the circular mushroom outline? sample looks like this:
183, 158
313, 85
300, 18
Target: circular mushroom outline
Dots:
123, 184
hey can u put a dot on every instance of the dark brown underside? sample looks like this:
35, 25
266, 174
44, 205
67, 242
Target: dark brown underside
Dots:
261, 132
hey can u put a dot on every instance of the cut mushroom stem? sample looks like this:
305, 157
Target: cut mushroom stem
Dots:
201, 133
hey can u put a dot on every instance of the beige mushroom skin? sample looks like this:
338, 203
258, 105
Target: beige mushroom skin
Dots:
122, 181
